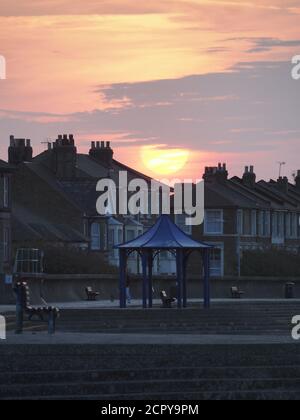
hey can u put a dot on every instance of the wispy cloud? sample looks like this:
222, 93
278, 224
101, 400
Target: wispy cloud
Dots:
235, 114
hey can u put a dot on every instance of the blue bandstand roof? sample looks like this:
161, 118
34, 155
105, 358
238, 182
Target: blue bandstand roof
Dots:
165, 234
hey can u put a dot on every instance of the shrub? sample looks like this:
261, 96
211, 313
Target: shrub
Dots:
270, 263
70, 260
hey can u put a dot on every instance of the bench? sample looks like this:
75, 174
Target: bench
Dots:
91, 294
23, 305
236, 293
166, 301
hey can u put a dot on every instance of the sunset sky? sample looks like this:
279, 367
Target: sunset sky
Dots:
173, 84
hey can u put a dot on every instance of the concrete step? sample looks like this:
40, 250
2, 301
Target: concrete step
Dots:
150, 372
186, 373
178, 396
151, 386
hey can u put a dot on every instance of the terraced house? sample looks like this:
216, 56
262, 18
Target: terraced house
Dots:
54, 202
55, 197
243, 214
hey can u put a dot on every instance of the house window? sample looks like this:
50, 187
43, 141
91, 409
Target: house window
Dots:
216, 262
213, 224
120, 236
6, 244
264, 223
6, 191
253, 223
95, 237
180, 220
267, 223
288, 225
291, 225
240, 222
130, 235
261, 217
295, 224
247, 222
278, 225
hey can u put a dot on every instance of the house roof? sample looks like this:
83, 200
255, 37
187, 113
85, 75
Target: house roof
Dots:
81, 191
270, 189
5, 167
27, 226
164, 235
257, 194
226, 194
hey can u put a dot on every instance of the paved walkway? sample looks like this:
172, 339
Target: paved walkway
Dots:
107, 304
132, 339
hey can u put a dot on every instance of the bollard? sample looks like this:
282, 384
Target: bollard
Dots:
52, 320
289, 290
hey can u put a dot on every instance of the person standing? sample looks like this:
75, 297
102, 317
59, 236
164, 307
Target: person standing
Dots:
128, 293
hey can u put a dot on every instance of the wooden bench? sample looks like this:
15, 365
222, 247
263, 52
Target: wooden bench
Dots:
236, 293
24, 306
166, 301
91, 294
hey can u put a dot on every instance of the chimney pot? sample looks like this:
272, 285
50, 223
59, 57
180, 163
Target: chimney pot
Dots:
19, 151
249, 177
102, 152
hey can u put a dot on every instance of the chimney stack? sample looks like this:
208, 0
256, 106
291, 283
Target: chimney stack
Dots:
216, 173
249, 177
283, 184
64, 157
19, 151
102, 152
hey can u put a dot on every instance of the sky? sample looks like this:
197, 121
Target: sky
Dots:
175, 85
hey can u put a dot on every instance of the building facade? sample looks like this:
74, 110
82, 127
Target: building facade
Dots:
54, 201
242, 214
55, 197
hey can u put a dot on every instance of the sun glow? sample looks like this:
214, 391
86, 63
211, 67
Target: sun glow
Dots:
163, 161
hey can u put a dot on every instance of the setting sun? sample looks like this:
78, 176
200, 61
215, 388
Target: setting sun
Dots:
164, 161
